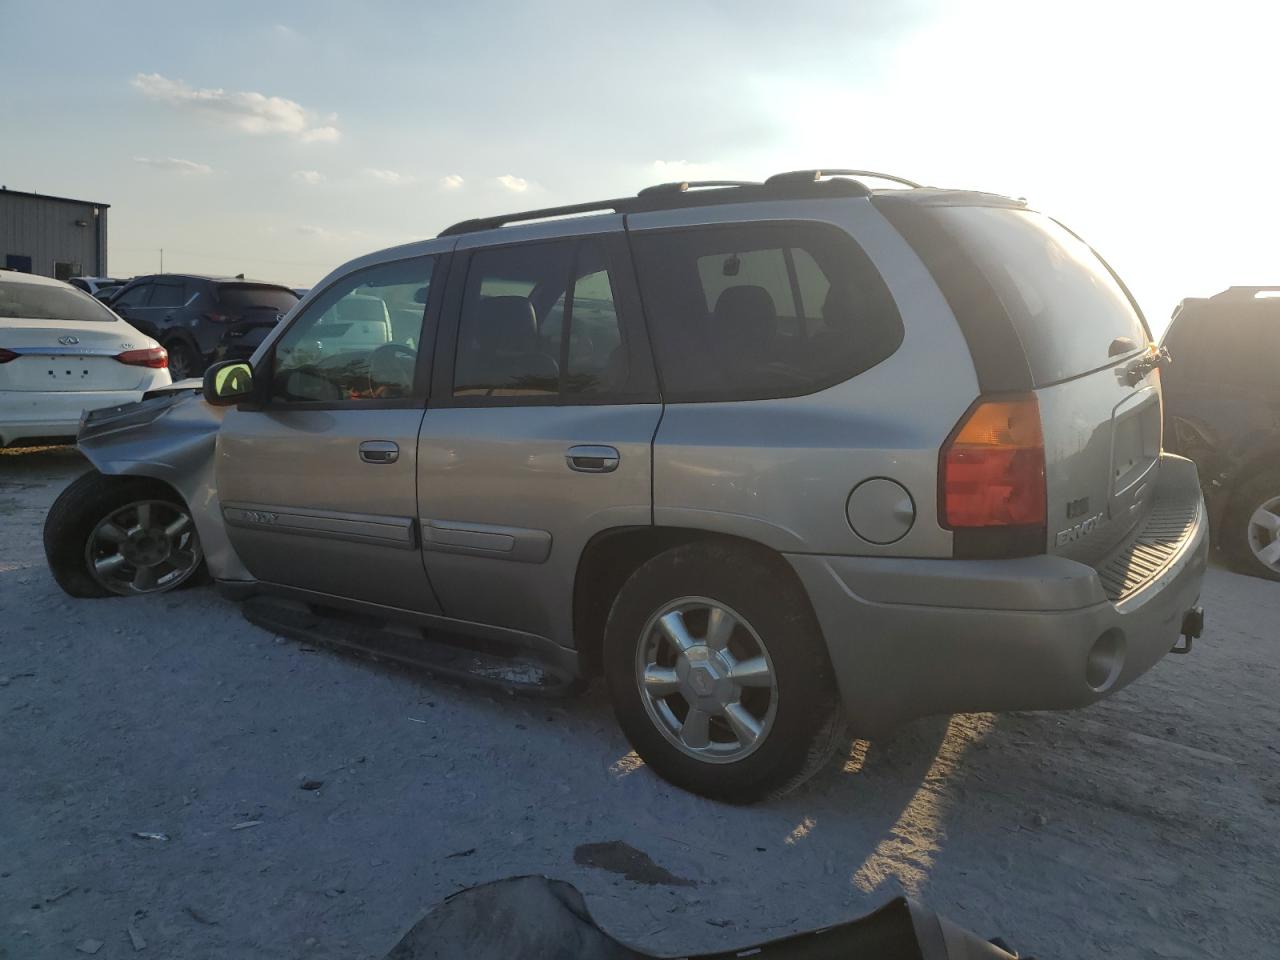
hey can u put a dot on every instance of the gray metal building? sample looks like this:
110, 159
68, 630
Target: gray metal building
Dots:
52, 236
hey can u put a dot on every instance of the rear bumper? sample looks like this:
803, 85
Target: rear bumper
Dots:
25, 414
908, 638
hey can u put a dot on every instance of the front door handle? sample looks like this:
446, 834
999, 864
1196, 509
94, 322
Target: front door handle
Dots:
592, 459
379, 451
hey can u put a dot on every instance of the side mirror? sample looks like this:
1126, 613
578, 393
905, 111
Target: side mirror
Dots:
228, 383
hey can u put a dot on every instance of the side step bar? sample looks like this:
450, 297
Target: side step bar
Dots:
483, 663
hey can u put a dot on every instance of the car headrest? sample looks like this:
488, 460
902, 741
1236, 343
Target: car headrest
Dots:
508, 324
746, 314
358, 308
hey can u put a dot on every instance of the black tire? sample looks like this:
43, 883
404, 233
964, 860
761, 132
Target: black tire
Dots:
78, 510
809, 723
184, 362
1233, 538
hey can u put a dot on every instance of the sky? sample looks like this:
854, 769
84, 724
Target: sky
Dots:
282, 139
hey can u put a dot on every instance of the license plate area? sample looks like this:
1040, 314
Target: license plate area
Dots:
1135, 452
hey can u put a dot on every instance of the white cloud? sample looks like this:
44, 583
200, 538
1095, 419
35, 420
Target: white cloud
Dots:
393, 177
514, 184
309, 177
320, 233
247, 111
452, 182
174, 165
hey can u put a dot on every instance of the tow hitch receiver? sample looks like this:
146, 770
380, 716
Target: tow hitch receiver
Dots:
1192, 627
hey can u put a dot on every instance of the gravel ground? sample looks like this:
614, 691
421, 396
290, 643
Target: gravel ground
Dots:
1145, 826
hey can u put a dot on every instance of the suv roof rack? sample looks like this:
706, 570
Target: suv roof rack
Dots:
798, 184
811, 176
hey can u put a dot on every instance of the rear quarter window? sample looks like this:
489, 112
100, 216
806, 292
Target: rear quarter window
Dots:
1066, 306
755, 311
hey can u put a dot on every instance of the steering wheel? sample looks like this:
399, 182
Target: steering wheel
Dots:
392, 365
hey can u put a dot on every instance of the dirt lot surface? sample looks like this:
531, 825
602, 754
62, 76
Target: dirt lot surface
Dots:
1145, 826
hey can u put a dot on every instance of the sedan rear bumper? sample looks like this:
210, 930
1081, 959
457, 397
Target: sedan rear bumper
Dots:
908, 638
53, 415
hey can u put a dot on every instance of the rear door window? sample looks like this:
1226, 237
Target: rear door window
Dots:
168, 294
1066, 306
540, 322
238, 297
135, 296
751, 311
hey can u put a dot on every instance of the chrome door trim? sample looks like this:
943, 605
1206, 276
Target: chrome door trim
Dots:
486, 540
358, 527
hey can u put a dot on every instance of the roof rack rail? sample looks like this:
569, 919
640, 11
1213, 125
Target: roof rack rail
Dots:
488, 223
805, 176
684, 186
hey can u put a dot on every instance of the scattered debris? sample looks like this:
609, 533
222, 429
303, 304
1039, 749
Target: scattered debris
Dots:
720, 923
415, 720
1039, 819
311, 784
135, 938
461, 853
636, 865
145, 835
5, 681
89, 946
199, 917
58, 896
246, 824
334, 892
307, 649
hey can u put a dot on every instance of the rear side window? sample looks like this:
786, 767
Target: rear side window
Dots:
135, 296
30, 301
753, 311
1065, 305
168, 294
541, 321
248, 297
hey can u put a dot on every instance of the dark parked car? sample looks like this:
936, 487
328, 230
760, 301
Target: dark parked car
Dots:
190, 315
1222, 409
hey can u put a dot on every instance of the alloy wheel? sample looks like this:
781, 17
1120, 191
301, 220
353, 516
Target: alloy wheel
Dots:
706, 680
1264, 534
147, 546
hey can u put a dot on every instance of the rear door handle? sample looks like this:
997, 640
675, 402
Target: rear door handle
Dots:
592, 459
379, 451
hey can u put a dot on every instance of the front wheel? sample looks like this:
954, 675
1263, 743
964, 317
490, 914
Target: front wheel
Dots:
120, 536
718, 673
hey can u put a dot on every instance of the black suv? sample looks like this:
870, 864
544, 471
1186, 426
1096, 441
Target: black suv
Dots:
1222, 409
192, 316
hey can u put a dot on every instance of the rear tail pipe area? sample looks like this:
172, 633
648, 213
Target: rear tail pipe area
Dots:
1192, 628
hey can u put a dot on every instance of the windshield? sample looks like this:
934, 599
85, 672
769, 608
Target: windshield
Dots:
1066, 306
38, 301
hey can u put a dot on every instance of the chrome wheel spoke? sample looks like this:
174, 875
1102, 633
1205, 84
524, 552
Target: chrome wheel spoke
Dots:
674, 629
753, 672
108, 565
178, 527
109, 531
744, 726
143, 511
696, 730
145, 578
720, 624
1264, 518
1270, 554
660, 681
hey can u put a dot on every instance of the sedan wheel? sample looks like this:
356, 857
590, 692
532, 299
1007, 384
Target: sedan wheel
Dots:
706, 679
146, 546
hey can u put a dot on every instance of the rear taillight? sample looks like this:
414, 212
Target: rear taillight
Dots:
992, 467
155, 357
7, 355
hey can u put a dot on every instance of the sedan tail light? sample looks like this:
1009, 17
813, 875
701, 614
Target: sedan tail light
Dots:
155, 357
7, 355
992, 468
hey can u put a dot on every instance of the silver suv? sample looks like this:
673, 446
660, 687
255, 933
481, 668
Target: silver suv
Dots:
779, 460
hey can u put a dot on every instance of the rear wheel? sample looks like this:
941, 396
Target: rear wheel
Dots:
1251, 536
121, 536
184, 362
718, 673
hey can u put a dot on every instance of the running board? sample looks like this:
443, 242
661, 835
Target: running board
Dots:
483, 663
